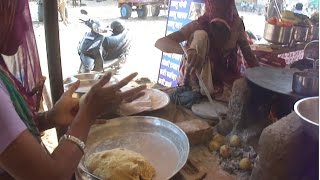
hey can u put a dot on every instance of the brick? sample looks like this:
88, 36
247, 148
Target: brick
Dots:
198, 131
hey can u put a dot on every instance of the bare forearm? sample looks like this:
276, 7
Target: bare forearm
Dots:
169, 46
170, 43
79, 128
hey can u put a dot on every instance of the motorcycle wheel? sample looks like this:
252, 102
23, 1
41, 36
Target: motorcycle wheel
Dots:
143, 12
125, 11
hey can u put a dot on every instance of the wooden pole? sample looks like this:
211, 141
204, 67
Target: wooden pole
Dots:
51, 26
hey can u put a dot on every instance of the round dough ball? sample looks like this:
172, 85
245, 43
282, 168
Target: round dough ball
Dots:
235, 141
245, 164
118, 164
225, 151
219, 138
214, 146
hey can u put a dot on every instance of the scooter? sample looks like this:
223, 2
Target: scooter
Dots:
103, 48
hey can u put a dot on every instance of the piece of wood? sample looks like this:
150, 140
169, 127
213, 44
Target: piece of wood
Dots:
198, 131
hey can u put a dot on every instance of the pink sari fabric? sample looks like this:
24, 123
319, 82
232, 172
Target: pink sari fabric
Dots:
223, 9
225, 63
24, 65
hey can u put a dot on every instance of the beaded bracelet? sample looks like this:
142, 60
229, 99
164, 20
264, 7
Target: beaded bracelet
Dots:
75, 140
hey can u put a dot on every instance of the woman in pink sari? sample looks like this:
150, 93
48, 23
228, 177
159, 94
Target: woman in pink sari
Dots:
22, 155
213, 43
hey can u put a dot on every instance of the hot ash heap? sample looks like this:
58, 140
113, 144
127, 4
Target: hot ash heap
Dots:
234, 156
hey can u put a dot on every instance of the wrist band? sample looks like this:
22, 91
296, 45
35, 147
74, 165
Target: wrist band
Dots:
75, 140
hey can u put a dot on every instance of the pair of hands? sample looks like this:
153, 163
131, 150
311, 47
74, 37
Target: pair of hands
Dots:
194, 61
99, 100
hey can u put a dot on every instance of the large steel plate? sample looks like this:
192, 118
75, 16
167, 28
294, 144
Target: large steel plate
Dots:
278, 80
161, 142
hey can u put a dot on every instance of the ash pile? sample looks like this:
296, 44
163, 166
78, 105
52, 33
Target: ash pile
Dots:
234, 156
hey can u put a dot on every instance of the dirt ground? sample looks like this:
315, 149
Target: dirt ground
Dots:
143, 58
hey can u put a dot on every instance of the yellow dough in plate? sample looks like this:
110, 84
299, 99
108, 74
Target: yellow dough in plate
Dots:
120, 164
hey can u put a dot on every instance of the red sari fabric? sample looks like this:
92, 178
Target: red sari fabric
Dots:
226, 62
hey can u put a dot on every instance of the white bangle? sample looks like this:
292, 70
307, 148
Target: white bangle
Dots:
75, 140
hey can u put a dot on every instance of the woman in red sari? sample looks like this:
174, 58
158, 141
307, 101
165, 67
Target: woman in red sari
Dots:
22, 155
213, 43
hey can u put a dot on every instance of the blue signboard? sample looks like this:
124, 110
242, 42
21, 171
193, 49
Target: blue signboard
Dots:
180, 13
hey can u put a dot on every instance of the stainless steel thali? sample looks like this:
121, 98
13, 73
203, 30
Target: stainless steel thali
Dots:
161, 142
87, 80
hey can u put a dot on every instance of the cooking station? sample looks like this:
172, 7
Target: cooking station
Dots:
267, 130
268, 114
276, 148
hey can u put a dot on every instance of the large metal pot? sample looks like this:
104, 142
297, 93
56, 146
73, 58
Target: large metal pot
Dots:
308, 111
277, 34
306, 83
300, 33
313, 33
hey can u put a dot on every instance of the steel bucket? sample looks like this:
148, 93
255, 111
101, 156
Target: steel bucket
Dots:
277, 34
313, 33
300, 34
306, 83
308, 111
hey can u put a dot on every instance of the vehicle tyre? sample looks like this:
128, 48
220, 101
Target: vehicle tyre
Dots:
125, 11
155, 11
142, 12
40, 12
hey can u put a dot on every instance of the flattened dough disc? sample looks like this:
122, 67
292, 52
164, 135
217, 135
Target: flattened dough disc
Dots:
209, 111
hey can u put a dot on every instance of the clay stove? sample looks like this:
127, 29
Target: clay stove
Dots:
284, 151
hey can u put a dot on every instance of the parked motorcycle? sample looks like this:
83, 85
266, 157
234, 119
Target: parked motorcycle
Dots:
103, 48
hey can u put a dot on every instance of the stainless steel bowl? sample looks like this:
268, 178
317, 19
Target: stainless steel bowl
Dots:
313, 33
306, 83
84, 87
300, 33
277, 34
87, 80
308, 111
88, 76
161, 142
